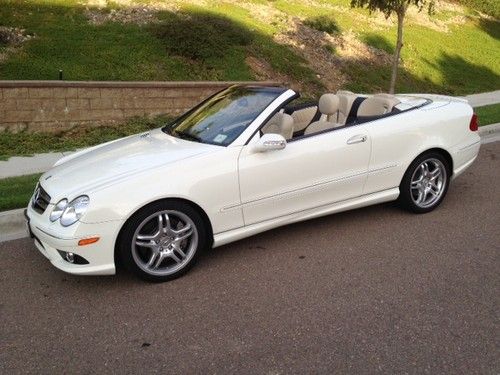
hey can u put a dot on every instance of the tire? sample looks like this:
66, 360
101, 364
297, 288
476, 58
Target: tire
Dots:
433, 171
162, 241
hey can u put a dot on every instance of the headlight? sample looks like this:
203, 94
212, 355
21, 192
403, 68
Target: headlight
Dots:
58, 210
74, 210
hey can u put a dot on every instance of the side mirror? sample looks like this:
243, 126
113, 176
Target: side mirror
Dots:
270, 142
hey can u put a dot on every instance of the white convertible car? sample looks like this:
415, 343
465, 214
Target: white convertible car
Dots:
245, 160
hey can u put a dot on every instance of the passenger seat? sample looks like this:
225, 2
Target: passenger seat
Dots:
280, 123
329, 106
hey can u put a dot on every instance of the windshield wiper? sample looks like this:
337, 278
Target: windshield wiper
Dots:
188, 136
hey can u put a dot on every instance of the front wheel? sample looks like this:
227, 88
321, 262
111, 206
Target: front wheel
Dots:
425, 183
162, 241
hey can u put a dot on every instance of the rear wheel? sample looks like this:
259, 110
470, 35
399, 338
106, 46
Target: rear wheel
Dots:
162, 241
425, 183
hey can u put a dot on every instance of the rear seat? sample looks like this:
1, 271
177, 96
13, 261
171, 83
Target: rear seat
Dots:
377, 105
346, 99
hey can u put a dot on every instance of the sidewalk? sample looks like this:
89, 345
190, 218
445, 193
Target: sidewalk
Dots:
23, 165
485, 98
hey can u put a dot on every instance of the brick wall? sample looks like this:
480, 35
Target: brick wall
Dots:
59, 105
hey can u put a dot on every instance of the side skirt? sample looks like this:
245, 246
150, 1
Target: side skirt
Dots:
362, 201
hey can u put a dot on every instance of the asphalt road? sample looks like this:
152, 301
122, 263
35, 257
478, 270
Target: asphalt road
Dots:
375, 290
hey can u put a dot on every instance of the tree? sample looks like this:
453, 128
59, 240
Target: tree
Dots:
398, 7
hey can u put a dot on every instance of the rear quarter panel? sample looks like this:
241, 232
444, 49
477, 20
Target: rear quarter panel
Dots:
398, 140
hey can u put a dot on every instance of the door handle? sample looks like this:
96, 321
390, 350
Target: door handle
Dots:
357, 139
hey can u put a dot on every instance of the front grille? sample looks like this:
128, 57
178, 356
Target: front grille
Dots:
41, 200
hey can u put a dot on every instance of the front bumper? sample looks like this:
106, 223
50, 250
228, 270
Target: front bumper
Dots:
51, 237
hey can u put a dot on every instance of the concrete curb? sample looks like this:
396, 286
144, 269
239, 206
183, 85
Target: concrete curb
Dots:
490, 133
12, 223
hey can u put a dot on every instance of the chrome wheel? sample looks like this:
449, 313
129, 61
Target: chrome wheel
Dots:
164, 242
428, 183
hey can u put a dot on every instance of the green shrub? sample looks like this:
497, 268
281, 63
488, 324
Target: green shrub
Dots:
323, 23
201, 36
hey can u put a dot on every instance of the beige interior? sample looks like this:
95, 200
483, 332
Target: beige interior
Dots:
346, 99
303, 117
334, 109
377, 105
329, 106
280, 123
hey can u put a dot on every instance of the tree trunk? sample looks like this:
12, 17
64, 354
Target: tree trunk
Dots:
397, 51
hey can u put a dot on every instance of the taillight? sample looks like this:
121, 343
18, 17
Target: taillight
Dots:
474, 123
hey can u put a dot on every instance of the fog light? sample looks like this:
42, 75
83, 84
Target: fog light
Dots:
70, 257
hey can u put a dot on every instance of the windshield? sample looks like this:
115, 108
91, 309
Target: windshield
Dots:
223, 117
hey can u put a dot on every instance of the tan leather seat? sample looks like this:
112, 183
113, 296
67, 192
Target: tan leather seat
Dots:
303, 117
328, 105
346, 99
377, 105
280, 123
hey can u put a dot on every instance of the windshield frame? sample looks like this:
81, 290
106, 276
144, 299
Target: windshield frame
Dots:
169, 128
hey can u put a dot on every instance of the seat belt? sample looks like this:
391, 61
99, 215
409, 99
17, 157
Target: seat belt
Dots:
354, 110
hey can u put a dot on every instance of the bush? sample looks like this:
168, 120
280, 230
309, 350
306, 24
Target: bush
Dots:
323, 23
201, 36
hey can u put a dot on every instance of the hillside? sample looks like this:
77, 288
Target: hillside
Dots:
314, 44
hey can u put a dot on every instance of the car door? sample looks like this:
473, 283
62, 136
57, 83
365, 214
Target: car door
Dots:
310, 172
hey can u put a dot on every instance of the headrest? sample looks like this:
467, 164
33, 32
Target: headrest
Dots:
328, 104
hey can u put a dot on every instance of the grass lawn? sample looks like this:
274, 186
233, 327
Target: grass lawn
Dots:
15, 192
453, 52
25, 144
489, 114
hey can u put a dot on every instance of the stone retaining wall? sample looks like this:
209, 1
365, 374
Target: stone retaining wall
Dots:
58, 105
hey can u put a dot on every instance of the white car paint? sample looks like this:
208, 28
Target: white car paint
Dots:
241, 191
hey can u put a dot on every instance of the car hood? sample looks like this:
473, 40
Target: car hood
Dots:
100, 166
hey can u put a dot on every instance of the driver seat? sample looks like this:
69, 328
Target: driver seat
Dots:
280, 123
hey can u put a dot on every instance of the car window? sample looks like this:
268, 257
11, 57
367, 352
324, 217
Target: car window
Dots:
223, 117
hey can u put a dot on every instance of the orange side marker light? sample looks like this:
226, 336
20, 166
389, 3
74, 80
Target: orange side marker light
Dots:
88, 241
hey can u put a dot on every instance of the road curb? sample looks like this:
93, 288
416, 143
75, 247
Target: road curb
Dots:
489, 129
12, 225
490, 133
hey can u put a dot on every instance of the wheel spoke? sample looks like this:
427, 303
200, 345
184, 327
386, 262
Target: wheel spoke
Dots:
146, 237
179, 250
145, 243
184, 229
175, 257
183, 237
420, 196
435, 174
164, 223
416, 184
161, 256
151, 259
